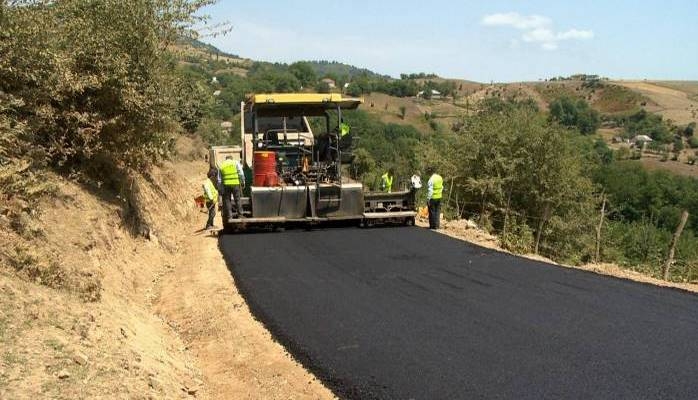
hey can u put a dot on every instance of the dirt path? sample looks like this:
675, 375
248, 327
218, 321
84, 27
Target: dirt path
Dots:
235, 354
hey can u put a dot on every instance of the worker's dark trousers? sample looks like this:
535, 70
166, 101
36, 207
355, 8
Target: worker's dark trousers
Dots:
231, 193
434, 207
211, 213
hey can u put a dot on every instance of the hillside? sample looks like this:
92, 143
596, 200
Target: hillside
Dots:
677, 101
325, 68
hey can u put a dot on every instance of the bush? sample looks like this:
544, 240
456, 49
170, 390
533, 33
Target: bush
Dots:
623, 153
678, 144
95, 80
403, 112
693, 142
518, 237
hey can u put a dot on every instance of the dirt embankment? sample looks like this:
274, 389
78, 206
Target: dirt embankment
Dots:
90, 310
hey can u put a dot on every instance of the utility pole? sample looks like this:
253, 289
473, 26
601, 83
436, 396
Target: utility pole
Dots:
674, 241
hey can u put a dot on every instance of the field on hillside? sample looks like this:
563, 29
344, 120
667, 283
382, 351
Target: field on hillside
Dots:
681, 106
689, 87
388, 107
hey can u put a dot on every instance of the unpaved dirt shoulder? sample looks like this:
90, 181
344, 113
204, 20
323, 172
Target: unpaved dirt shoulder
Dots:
236, 355
468, 232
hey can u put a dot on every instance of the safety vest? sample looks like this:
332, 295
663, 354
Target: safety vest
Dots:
229, 173
209, 187
387, 182
438, 185
344, 129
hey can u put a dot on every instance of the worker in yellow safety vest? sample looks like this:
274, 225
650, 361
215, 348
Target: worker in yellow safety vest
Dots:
211, 196
387, 181
344, 129
435, 189
233, 179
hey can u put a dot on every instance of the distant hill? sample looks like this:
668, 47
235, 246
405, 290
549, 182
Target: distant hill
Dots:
334, 68
205, 47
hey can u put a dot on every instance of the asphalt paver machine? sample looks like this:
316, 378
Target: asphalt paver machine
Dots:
297, 176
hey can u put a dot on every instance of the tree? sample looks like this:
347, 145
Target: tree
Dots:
95, 77
510, 159
304, 72
644, 123
678, 144
575, 114
323, 87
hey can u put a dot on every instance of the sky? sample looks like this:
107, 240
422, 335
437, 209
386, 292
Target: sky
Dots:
495, 40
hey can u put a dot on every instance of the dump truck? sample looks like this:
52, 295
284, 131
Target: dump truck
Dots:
295, 175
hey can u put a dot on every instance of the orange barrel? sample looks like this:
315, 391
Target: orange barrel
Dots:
265, 169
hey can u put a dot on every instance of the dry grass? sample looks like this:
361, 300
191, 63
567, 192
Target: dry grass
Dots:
670, 102
676, 167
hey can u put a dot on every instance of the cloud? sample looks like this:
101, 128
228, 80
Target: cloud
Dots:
537, 29
515, 20
575, 34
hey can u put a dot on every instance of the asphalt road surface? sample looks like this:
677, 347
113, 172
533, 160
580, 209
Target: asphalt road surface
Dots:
405, 313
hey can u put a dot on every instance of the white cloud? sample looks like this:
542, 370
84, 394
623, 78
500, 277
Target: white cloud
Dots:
575, 34
516, 20
537, 29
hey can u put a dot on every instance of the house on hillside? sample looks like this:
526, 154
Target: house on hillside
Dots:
330, 82
435, 94
641, 139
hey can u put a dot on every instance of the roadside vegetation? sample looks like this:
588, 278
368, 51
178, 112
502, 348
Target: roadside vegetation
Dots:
535, 177
88, 92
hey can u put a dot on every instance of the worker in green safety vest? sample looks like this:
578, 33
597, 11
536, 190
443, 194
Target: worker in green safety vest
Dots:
387, 181
233, 179
211, 196
435, 189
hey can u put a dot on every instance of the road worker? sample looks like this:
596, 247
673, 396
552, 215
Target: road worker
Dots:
344, 129
233, 180
339, 137
435, 188
211, 196
387, 181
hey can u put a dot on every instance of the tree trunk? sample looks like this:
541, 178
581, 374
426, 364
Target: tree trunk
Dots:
674, 241
598, 228
541, 223
482, 209
450, 190
506, 214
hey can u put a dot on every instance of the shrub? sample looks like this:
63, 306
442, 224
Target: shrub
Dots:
518, 237
95, 80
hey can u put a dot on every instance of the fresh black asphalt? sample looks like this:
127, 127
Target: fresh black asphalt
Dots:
406, 313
